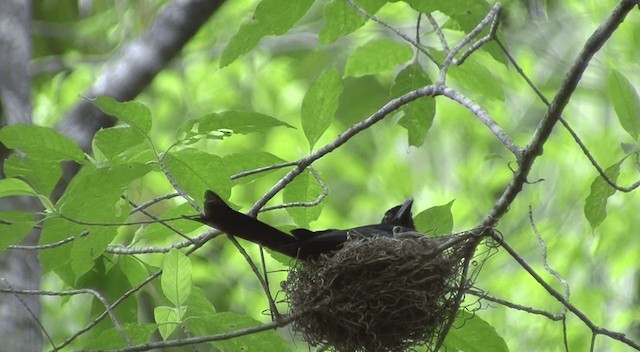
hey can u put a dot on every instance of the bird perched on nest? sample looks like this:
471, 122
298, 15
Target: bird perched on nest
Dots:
304, 244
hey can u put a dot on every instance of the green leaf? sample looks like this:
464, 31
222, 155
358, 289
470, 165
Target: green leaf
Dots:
111, 338
118, 140
196, 171
176, 277
477, 78
42, 175
473, 335
199, 311
133, 113
265, 341
242, 122
41, 143
14, 227
167, 319
377, 56
241, 162
340, 18
92, 197
158, 232
320, 104
626, 102
304, 188
436, 220
15, 187
595, 206
271, 17
418, 114
467, 14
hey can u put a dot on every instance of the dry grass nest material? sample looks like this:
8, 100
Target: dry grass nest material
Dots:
380, 294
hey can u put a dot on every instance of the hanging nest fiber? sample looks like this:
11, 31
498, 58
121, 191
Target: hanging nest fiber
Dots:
377, 294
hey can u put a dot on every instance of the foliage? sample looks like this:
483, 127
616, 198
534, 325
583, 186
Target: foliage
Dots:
293, 74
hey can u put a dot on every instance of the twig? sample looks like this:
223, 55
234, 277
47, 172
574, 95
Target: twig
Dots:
542, 132
95, 293
262, 169
488, 297
16, 295
495, 10
109, 308
323, 195
152, 202
484, 117
558, 296
416, 44
545, 264
202, 339
566, 125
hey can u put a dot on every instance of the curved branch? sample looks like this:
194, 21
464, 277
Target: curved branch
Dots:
542, 132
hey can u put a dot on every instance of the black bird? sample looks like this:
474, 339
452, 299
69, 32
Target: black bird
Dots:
304, 244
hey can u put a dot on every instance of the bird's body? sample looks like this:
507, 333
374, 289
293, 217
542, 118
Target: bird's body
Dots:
304, 244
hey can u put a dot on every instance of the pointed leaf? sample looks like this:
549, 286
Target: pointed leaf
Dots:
196, 171
595, 207
377, 56
418, 114
14, 227
15, 187
626, 102
304, 188
114, 141
472, 334
242, 122
167, 320
436, 220
133, 113
265, 341
340, 18
176, 277
41, 143
320, 104
271, 17
241, 162
42, 175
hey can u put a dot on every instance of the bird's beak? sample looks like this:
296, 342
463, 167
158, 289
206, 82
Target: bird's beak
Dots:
405, 209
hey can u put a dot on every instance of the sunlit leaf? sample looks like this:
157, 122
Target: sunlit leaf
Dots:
271, 17
114, 141
626, 102
437, 220
41, 143
265, 341
340, 18
595, 207
242, 122
15, 187
196, 171
304, 188
418, 114
377, 56
176, 277
14, 227
167, 320
41, 174
133, 113
472, 334
112, 339
320, 104
243, 162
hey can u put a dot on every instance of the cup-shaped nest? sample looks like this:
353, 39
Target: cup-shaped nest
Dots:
375, 294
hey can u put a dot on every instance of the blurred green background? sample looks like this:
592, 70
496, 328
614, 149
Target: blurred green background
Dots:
377, 169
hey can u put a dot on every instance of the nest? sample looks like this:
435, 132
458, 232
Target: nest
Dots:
376, 294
